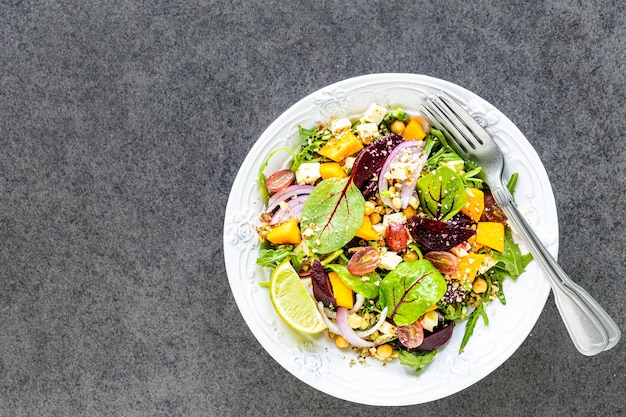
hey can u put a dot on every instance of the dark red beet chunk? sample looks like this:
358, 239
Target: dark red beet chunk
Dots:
437, 338
493, 212
321, 285
436, 235
371, 159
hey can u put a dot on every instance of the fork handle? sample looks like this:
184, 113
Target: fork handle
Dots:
590, 327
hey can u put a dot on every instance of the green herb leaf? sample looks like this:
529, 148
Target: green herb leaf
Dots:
512, 183
365, 286
410, 290
472, 319
332, 214
442, 193
272, 257
416, 361
313, 139
511, 260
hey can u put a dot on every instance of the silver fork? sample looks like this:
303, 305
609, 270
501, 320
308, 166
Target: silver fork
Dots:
592, 330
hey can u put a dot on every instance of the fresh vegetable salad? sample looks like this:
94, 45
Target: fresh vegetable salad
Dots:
382, 236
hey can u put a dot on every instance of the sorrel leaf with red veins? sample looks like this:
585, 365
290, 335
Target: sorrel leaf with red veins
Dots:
332, 215
410, 290
441, 193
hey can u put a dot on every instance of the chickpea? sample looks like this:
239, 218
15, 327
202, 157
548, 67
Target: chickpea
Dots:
384, 351
397, 127
375, 218
370, 207
409, 212
410, 256
479, 286
341, 343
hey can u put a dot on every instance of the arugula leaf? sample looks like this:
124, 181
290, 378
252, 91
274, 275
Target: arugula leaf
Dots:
416, 361
472, 319
313, 139
441, 193
272, 257
511, 260
510, 185
332, 214
366, 287
497, 276
410, 290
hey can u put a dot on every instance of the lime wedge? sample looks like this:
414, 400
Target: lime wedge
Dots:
293, 302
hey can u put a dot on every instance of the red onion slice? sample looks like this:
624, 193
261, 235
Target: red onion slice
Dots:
418, 160
408, 187
347, 332
293, 210
331, 326
381, 320
286, 194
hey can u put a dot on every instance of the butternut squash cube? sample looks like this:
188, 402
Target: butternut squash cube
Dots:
413, 131
367, 231
332, 170
468, 267
285, 233
490, 234
343, 294
340, 147
475, 204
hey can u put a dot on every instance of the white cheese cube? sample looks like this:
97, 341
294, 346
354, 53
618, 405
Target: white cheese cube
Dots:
389, 260
374, 114
430, 320
487, 263
394, 218
387, 330
367, 132
380, 228
348, 163
339, 125
308, 173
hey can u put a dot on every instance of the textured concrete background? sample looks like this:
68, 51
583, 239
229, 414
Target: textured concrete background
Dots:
122, 126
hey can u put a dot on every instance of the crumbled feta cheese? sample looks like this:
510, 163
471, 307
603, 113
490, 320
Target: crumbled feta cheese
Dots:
487, 263
461, 250
389, 260
367, 132
394, 218
339, 125
374, 114
348, 163
430, 320
308, 173
380, 228
387, 330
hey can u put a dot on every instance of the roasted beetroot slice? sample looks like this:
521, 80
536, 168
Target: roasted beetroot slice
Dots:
371, 159
461, 219
321, 285
438, 338
493, 212
436, 235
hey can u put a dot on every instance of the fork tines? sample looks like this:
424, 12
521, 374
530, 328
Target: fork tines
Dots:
456, 124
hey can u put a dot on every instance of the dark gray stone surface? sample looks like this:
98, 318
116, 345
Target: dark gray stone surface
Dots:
122, 126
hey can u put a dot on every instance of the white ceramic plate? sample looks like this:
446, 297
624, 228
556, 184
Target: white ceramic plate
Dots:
315, 359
